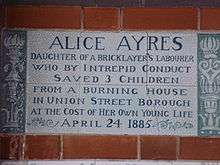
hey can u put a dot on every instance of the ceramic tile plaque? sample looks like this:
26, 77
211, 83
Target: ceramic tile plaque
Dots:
150, 83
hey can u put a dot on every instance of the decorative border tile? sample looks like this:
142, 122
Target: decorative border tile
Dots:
208, 84
13, 78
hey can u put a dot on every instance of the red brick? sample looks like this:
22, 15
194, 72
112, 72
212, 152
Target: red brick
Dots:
159, 18
2, 14
158, 147
210, 18
26, 16
42, 147
101, 18
195, 148
10, 147
100, 147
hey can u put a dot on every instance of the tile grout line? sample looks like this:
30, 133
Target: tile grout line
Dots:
138, 147
198, 19
23, 147
177, 147
82, 18
61, 147
120, 19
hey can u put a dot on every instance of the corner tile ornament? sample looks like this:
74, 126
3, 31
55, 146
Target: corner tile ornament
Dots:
13, 76
209, 84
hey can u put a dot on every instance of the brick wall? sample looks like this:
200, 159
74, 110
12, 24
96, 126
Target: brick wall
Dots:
58, 147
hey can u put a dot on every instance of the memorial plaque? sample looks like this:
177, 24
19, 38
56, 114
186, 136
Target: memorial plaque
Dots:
150, 83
